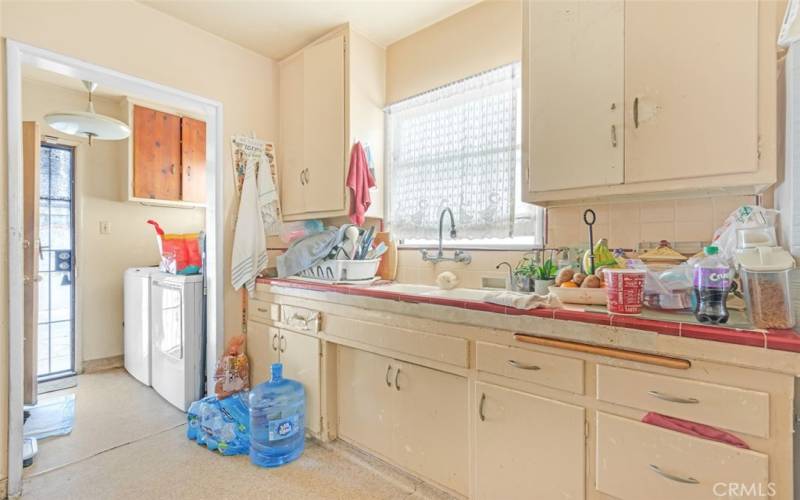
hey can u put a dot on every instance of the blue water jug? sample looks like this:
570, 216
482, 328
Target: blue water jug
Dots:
277, 420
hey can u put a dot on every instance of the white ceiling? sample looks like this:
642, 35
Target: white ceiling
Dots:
278, 28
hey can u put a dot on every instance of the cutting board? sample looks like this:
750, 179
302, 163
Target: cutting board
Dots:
388, 268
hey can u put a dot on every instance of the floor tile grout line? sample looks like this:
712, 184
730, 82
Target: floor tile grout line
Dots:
121, 445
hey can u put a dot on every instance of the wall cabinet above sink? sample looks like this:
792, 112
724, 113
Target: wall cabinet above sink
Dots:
631, 99
331, 95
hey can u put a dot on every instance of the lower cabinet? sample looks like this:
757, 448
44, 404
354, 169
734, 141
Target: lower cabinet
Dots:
528, 447
300, 355
637, 460
413, 416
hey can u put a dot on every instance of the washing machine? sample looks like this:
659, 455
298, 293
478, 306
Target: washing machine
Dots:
136, 321
177, 331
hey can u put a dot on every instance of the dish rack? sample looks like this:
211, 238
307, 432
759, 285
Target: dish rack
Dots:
343, 270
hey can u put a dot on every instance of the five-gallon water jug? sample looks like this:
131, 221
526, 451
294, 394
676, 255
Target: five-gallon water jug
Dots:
277, 420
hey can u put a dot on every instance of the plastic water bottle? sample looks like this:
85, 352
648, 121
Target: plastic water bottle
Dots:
712, 281
277, 420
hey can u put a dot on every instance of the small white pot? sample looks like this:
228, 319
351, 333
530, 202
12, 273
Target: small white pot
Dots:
540, 286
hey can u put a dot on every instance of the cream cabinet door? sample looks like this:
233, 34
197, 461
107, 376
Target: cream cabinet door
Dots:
290, 152
528, 447
300, 357
324, 125
691, 89
262, 342
575, 93
365, 395
430, 432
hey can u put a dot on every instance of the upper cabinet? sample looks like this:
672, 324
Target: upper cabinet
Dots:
332, 94
166, 157
630, 98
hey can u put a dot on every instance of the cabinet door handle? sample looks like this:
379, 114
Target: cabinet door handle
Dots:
308, 177
480, 407
386, 378
282, 344
275, 342
636, 112
673, 477
523, 366
302, 178
673, 399
188, 170
613, 136
396, 375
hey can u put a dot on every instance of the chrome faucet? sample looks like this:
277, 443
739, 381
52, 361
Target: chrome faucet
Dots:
458, 255
510, 282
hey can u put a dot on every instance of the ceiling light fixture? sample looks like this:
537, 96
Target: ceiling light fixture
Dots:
88, 123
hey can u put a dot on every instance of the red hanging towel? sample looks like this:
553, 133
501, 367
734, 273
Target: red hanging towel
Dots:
359, 180
694, 429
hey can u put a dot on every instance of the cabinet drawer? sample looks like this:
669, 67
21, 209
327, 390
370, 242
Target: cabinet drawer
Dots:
263, 312
636, 461
300, 319
723, 406
531, 366
451, 350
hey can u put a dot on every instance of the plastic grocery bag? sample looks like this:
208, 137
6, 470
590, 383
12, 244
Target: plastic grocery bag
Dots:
180, 253
743, 217
233, 370
221, 425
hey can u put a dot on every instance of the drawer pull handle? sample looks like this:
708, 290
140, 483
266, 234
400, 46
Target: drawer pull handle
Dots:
262, 309
396, 375
523, 366
480, 407
386, 378
673, 399
673, 477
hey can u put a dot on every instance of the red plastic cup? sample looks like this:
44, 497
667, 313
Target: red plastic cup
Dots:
625, 289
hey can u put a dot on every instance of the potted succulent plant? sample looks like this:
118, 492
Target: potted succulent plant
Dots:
530, 272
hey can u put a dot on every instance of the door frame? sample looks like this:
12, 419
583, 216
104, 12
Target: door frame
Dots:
19, 54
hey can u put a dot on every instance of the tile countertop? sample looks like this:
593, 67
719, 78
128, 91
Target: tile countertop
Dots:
781, 340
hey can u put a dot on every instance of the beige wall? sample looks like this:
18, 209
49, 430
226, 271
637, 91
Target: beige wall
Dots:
476, 39
135, 39
100, 190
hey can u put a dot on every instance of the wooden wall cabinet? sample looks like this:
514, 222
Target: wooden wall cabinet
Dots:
641, 99
326, 105
167, 158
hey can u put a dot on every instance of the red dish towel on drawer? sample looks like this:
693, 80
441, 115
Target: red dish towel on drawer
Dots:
693, 429
359, 180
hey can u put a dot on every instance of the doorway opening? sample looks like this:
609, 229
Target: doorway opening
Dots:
56, 315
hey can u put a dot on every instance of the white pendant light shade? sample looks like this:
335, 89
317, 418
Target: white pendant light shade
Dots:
88, 123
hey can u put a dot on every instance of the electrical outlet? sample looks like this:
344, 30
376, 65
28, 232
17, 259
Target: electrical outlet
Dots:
105, 227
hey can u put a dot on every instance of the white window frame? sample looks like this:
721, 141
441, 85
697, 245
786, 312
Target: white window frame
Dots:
536, 241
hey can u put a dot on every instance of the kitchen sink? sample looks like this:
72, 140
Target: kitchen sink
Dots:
477, 295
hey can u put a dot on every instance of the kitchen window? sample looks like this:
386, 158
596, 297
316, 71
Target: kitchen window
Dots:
458, 146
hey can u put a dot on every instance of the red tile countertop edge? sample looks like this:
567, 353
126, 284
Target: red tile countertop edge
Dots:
781, 340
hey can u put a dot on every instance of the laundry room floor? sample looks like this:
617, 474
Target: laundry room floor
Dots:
128, 443
111, 409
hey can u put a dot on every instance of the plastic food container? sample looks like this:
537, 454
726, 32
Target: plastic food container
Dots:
765, 279
625, 290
